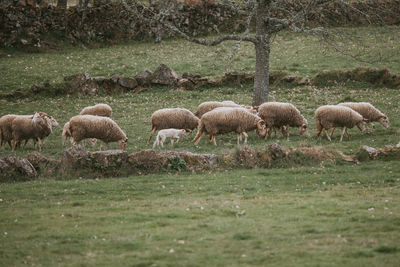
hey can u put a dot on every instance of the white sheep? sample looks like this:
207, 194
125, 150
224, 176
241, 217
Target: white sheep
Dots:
176, 118
208, 106
224, 120
6, 128
37, 128
168, 133
331, 116
103, 110
88, 126
369, 112
278, 115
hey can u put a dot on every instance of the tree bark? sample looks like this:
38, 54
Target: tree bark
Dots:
261, 79
62, 3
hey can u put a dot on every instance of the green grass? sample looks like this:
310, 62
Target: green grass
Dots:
311, 216
298, 54
304, 216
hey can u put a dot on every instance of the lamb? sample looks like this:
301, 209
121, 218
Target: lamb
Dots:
6, 128
37, 127
225, 120
208, 106
338, 116
168, 133
89, 126
177, 118
369, 112
282, 116
103, 110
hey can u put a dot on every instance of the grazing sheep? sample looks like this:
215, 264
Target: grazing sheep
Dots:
177, 118
37, 128
281, 116
225, 120
369, 112
208, 106
89, 126
330, 116
103, 110
6, 128
168, 133
66, 134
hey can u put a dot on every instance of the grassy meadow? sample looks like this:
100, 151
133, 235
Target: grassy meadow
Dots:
310, 216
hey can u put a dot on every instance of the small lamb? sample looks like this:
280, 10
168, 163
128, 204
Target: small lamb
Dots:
168, 133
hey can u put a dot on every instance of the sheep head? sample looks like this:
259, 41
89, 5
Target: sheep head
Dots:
361, 125
384, 121
122, 143
261, 128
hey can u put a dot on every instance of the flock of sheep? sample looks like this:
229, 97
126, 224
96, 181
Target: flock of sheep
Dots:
211, 118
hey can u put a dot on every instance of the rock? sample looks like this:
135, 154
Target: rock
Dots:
246, 157
148, 160
165, 76
372, 152
83, 84
74, 158
3, 101
289, 78
186, 84
20, 168
143, 78
152, 161
304, 81
129, 83
114, 78
276, 151
42, 164
99, 79
109, 86
110, 158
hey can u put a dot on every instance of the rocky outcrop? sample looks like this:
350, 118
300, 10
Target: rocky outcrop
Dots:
16, 168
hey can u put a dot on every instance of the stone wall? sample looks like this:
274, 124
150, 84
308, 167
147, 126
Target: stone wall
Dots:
38, 26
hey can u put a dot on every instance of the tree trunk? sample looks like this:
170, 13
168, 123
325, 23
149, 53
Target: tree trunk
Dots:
261, 78
62, 3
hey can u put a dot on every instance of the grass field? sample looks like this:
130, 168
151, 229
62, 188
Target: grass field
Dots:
310, 216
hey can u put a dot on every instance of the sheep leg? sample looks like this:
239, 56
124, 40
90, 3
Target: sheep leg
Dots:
327, 135
156, 143
245, 137
333, 130
151, 134
14, 144
343, 132
199, 135
370, 130
214, 140
172, 141
347, 134
319, 128
238, 138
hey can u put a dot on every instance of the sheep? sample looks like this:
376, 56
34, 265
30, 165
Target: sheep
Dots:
369, 112
282, 116
103, 110
6, 128
208, 106
88, 126
338, 116
225, 120
168, 133
37, 128
177, 118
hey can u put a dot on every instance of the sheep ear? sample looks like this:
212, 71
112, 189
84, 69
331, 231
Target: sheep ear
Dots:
365, 120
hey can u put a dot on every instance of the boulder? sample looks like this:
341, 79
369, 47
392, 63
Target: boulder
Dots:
46, 166
74, 158
276, 151
152, 161
110, 158
164, 76
129, 83
143, 78
185, 84
246, 157
20, 168
83, 84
